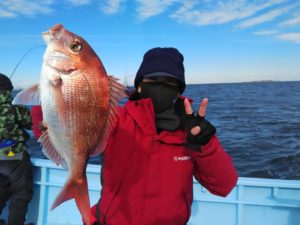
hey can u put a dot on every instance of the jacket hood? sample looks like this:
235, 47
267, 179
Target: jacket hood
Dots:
143, 113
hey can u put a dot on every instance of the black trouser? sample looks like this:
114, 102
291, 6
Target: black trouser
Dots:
16, 184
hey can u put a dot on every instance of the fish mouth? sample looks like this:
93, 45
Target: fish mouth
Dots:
60, 62
46, 37
54, 32
58, 55
65, 72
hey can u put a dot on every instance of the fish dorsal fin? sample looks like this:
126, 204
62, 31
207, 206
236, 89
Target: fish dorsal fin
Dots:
116, 92
49, 150
29, 96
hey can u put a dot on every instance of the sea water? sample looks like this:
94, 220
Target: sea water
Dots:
258, 124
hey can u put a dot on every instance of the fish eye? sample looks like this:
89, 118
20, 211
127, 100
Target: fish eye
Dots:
76, 46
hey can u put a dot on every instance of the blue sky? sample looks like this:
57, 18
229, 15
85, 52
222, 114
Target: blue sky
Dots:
221, 40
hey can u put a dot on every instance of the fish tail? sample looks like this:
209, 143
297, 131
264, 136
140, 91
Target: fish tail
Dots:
79, 191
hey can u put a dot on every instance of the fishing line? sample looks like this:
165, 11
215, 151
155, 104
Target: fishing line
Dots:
21, 59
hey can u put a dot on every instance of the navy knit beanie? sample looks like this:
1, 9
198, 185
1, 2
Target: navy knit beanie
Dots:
162, 62
5, 83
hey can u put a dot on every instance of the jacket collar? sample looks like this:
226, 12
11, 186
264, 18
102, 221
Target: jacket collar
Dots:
143, 113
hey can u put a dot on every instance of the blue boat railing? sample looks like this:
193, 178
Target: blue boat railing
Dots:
254, 201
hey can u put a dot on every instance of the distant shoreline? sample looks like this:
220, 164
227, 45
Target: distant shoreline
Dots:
249, 82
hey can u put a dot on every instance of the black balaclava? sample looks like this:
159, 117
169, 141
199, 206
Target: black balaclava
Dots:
163, 97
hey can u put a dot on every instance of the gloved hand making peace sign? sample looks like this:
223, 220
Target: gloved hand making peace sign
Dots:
199, 130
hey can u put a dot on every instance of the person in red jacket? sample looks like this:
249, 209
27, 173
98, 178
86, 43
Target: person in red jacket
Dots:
157, 146
156, 149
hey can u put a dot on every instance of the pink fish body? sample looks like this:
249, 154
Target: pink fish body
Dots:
79, 103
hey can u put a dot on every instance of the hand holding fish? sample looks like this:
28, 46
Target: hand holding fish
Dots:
200, 131
42, 126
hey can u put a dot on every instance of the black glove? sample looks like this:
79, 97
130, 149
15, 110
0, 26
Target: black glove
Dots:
206, 133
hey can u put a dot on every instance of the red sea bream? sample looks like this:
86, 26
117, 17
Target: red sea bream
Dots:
79, 103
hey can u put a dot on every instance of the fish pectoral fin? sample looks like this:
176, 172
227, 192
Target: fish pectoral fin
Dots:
50, 151
29, 96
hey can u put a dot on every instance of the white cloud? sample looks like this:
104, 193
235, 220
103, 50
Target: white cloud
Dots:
6, 13
13, 8
291, 22
266, 32
79, 2
220, 12
24, 7
148, 8
292, 37
112, 6
197, 12
267, 17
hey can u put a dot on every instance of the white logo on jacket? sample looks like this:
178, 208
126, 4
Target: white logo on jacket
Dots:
181, 158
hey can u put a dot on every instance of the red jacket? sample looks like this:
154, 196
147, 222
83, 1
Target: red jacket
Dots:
148, 177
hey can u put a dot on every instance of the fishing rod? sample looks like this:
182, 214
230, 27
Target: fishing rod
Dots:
21, 59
